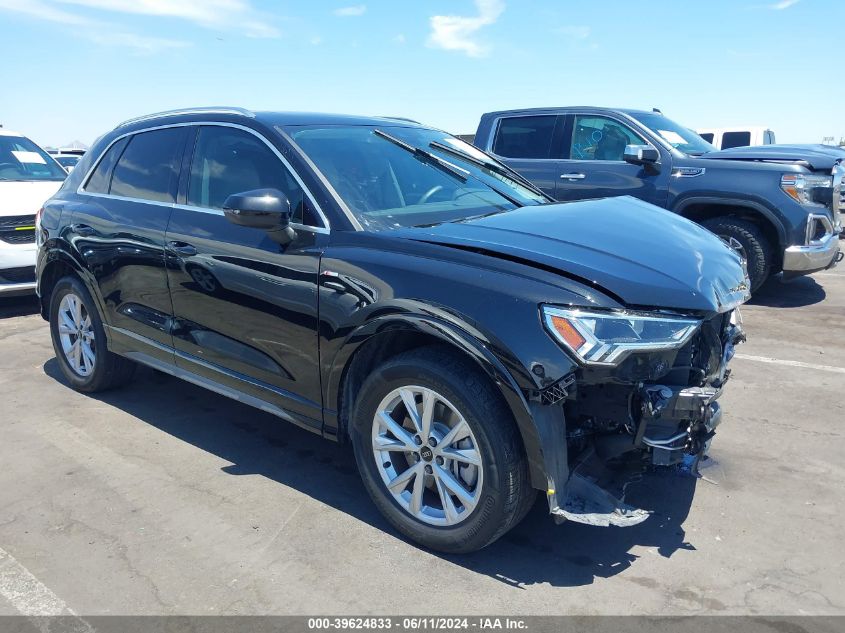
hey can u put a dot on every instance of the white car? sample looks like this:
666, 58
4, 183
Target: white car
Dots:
28, 177
728, 137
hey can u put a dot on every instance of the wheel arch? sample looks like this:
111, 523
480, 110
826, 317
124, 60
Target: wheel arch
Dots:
700, 209
381, 339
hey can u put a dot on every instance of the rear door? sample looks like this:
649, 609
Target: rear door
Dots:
245, 306
531, 145
595, 168
118, 230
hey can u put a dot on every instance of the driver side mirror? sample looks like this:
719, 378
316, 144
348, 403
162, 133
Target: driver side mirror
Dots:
641, 155
266, 209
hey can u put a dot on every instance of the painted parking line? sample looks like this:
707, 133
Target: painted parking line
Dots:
791, 363
32, 598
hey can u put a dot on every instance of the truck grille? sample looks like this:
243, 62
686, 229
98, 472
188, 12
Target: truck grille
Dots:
17, 229
23, 275
838, 195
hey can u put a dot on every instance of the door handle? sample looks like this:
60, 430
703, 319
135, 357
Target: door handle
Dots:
573, 176
82, 230
182, 248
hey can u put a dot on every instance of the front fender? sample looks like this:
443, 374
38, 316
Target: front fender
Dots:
544, 448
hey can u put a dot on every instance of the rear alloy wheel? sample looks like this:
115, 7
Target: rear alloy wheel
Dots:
439, 452
76, 334
79, 340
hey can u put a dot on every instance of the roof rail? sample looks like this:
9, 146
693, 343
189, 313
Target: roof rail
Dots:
400, 118
211, 110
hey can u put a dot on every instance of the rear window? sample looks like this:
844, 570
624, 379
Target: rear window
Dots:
525, 137
101, 177
149, 168
736, 139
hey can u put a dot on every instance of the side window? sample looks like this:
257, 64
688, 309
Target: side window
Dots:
227, 160
707, 136
601, 138
149, 166
735, 139
100, 179
525, 137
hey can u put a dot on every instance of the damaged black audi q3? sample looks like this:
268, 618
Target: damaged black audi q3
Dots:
385, 284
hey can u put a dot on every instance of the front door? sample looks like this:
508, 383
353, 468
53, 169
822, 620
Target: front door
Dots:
245, 306
596, 169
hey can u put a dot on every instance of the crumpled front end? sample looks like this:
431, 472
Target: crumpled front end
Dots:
656, 408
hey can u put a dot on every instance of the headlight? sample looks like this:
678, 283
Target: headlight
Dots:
803, 188
606, 338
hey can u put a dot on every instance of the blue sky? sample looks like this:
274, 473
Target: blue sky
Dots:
72, 69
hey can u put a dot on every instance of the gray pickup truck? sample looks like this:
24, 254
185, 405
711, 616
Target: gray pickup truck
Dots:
780, 203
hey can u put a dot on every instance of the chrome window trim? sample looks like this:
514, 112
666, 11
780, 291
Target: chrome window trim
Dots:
184, 111
81, 189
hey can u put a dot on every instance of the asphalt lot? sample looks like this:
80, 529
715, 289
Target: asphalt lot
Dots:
163, 498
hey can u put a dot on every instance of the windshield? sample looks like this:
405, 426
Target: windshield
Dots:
68, 161
21, 159
393, 177
677, 136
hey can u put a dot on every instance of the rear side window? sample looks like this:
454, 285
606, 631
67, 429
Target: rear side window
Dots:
525, 137
101, 177
149, 166
707, 136
736, 139
227, 160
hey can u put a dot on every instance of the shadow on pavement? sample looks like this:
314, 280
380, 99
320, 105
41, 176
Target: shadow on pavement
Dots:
796, 293
536, 551
18, 306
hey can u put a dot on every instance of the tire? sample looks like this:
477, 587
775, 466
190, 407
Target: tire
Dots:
101, 369
499, 485
757, 249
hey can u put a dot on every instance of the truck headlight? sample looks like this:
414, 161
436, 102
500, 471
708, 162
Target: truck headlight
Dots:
606, 338
810, 189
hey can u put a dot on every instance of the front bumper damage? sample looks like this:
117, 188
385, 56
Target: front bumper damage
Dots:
666, 425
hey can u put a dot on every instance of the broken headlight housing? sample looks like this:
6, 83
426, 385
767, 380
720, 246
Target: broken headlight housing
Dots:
607, 337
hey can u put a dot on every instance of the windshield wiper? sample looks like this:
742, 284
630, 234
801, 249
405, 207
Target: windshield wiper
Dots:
426, 157
496, 168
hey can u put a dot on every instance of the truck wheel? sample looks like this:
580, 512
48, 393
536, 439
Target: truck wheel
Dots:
439, 455
80, 341
755, 246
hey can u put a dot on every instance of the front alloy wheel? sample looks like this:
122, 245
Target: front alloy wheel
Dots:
427, 455
439, 451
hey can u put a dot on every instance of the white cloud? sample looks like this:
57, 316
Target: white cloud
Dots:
353, 11
456, 33
138, 44
98, 32
316, 40
399, 38
238, 15
783, 4
579, 33
43, 11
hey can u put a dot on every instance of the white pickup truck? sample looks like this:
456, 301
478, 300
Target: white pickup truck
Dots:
728, 137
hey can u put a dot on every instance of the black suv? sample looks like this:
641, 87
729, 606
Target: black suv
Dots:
780, 203
374, 280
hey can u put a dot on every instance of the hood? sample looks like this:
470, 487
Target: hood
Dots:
25, 198
817, 157
640, 254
